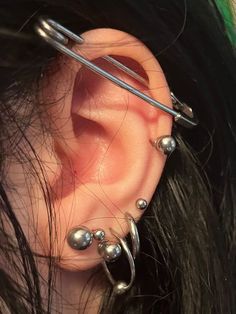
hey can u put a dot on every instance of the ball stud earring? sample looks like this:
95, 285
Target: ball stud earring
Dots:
141, 204
166, 144
80, 238
109, 251
99, 234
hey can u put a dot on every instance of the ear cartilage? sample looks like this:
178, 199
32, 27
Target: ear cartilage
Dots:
165, 144
58, 36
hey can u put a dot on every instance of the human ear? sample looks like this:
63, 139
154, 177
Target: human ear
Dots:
102, 138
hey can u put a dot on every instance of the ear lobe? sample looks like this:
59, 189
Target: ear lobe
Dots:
107, 161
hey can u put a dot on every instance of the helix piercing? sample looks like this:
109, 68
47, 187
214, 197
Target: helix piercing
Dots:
58, 36
165, 144
141, 204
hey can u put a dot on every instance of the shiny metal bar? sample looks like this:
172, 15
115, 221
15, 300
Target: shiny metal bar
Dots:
48, 30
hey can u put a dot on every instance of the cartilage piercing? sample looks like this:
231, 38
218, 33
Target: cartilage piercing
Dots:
166, 144
58, 36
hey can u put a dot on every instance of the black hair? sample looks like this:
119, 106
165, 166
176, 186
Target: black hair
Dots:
187, 234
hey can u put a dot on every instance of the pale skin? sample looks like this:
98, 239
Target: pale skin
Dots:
97, 158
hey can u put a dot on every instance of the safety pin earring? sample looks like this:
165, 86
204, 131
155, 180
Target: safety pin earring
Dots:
58, 36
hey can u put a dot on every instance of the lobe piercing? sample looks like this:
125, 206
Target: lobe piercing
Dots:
109, 251
99, 234
80, 238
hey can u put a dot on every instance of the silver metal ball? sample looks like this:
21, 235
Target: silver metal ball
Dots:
166, 144
141, 203
120, 287
80, 238
109, 251
99, 234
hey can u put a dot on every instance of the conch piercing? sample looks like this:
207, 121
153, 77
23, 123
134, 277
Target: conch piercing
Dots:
165, 144
58, 36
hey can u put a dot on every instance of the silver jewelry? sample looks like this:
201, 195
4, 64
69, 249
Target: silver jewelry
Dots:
166, 144
134, 235
141, 204
80, 238
109, 251
58, 36
99, 234
120, 287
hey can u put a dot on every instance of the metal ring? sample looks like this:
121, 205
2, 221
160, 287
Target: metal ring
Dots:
134, 235
131, 264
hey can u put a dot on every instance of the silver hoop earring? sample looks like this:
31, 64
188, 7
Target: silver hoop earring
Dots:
134, 235
120, 287
81, 238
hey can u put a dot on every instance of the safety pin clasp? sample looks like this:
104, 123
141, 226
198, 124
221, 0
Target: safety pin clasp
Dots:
58, 36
